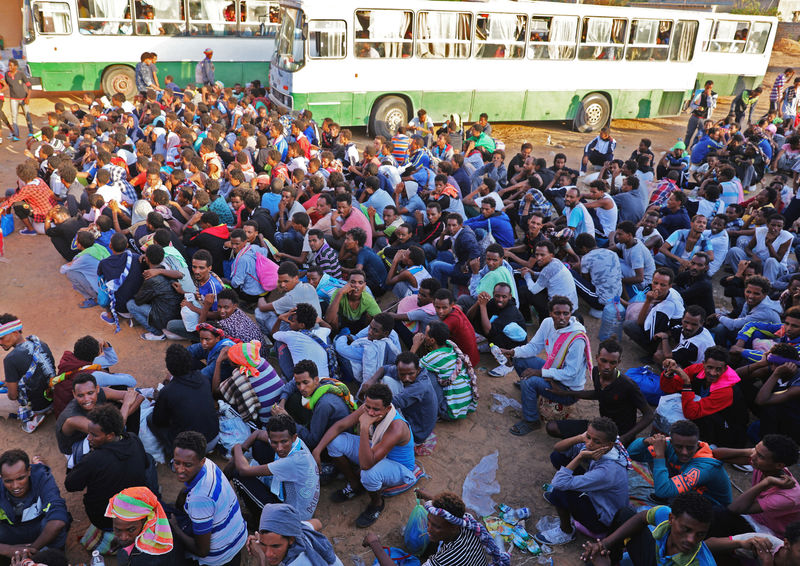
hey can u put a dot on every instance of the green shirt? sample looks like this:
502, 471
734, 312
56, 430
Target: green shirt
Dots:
367, 304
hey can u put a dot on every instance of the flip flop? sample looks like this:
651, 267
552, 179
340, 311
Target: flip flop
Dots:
524, 427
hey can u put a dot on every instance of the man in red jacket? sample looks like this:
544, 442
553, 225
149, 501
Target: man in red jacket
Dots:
710, 397
461, 329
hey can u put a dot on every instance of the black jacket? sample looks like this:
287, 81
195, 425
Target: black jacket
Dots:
105, 471
186, 403
164, 300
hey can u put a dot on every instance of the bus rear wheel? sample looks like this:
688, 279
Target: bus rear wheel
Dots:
119, 78
388, 115
593, 113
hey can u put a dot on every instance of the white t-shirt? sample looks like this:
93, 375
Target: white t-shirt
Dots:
304, 347
110, 192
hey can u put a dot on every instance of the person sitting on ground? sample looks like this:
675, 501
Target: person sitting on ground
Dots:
361, 354
208, 522
693, 339
636, 261
244, 270
415, 312
207, 351
494, 222
498, 319
677, 538
773, 500
564, 341
327, 400
661, 308
211, 237
117, 460
322, 254
786, 333
459, 250
156, 302
295, 292
618, 396
694, 283
236, 324
406, 272
35, 515
141, 528
597, 275
81, 271
87, 355
682, 463
366, 260
776, 401
460, 327
496, 270
352, 306
383, 451
681, 245
591, 481
771, 244
460, 538
283, 471
284, 538
553, 280
72, 426
758, 307
184, 403
710, 397
413, 393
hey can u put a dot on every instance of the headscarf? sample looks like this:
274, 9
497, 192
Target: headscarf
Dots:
215, 330
499, 558
135, 503
246, 355
283, 520
141, 208
9, 327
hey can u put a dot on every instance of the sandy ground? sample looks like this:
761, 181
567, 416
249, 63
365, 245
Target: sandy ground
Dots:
31, 288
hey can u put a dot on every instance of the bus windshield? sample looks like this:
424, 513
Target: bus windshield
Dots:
290, 47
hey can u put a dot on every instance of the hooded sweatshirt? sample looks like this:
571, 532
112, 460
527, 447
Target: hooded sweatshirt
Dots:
185, 403
104, 472
606, 482
713, 398
765, 311
702, 474
572, 373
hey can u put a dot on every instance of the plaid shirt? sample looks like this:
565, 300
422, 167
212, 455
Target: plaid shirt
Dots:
540, 204
328, 260
662, 192
38, 196
120, 179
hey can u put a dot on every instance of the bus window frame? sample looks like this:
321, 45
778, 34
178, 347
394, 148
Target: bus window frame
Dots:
678, 22
35, 21
750, 36
630, 45
574, 43
444, 40
730, 42
182, 21
410, 42
622, 45
476, 42
225, 24
307, 40
121, 22
268, 26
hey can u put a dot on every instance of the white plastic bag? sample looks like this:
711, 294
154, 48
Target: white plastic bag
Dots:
500, 402
668, 412
151, 444
480, 484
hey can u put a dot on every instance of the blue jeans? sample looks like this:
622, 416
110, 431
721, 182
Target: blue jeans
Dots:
535, 386
105, 379
385, 473
140, 314
445, 271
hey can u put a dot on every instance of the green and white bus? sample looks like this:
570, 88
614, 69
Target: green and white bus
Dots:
363, 63
95, 44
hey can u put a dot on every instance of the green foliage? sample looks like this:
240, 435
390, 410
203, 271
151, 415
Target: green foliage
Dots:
753, 8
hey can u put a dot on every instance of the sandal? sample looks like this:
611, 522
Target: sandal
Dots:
525, 427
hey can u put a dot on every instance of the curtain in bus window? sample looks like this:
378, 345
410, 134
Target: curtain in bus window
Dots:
257, 16
447, 34
563, 30
391, 26
682, 48
500, 36
597, 30
105, 17
759, 35
159, 17
208, 17
326, 39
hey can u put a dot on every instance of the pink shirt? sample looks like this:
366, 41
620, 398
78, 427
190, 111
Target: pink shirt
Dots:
357, 220
780, 506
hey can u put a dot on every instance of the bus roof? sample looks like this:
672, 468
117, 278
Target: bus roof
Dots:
326, 8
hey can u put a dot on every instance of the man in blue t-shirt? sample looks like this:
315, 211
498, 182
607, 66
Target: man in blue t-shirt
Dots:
709, 142
366, 260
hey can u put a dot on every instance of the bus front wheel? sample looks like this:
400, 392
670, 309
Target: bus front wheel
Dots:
593, 113
119, 78
389, 114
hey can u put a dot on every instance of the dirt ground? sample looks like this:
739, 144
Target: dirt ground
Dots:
31, 288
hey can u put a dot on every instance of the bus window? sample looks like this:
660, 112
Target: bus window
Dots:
759, 35
649, 40
729, 37
383, 34
326, 39
444, 35
289, 44
260, 18
160, 18
500, 36
104, 17
553, 37
602, 39
52, 18
682, 44
212, 18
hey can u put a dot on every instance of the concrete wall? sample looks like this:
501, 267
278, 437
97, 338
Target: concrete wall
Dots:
11, 22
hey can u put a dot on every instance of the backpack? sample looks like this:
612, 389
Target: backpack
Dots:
266, 272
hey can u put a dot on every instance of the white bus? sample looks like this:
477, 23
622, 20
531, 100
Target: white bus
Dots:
95, 44
366, 64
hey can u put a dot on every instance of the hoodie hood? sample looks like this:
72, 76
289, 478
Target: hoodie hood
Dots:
193, 380
765, 306
123, 449
69, 362
729, 378
220, 231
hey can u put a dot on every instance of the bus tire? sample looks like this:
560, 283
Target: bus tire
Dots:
387, 115
593, 113
119, 78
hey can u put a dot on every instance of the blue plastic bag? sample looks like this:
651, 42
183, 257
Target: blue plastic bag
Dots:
415, 533
399, 557
648, 381
7, 224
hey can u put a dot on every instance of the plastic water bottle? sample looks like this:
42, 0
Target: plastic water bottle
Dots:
549, 139
498, 540
97, 559
498, 354
611, 320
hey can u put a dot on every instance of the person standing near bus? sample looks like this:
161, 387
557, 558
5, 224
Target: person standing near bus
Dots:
701, 106
143, 74
776, 93
19, 91
422, 125
204, 72
747, 99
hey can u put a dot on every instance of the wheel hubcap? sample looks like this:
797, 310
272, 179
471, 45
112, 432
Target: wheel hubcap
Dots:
594, 113
120, 83
394, 118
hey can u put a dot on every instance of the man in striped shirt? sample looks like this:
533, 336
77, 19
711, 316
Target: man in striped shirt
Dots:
777, 89
210, 510
323, 255
400, 143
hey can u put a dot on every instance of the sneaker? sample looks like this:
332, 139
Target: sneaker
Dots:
33, 424
124, 315
595, 313
548, 522
345, 494
500, 371
87, 304
743, 467
26, 232
172, 335
554, 536
152, 337
107, 318
369, 515
546, 496
14, 138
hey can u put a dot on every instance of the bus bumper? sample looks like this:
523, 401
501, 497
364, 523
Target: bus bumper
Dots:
281, 102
